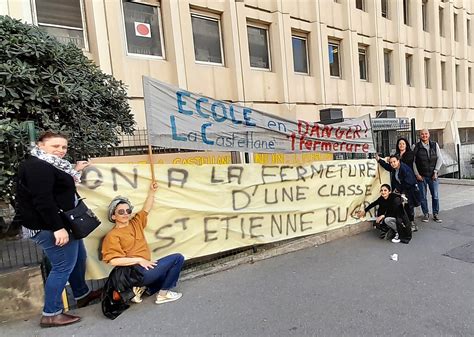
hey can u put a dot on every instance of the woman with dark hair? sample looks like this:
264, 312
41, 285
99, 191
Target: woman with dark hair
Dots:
403, 182
391, 218
47, 186
404, 151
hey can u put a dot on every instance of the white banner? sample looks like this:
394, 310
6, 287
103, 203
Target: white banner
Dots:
181, 119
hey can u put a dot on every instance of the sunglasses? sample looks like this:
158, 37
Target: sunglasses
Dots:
123, 211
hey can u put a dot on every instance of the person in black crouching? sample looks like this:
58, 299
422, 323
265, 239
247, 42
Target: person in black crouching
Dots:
391, 217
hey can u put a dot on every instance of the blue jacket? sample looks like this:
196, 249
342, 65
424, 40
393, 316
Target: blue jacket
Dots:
407, 177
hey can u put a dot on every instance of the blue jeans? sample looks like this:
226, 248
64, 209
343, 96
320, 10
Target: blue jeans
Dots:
164, 275
433, 185
68, 264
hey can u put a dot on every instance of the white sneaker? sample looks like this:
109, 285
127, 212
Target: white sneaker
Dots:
396, 239
138, 291
169, 297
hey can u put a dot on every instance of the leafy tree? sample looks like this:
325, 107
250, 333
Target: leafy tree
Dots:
60, 89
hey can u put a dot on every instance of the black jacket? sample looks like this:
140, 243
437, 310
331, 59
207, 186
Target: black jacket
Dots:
393, 207
425, 162
390, 207
43, 190
408, 158
121, 280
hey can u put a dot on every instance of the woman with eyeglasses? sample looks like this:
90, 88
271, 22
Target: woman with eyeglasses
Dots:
391, 218
125, 245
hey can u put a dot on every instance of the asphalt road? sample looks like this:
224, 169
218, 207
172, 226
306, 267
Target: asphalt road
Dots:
348, 287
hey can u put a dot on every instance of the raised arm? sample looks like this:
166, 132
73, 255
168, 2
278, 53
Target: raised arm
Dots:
150, 199
383, 163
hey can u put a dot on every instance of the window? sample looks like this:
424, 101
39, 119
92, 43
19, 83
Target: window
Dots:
436, 135
258, 47
469, 78
466, 135
384, 8
427, 73
300, 54
406, 12
143, 29
207, 39
455, 22
441, 21
62, 19
363, 73
334, 59
424, 14
468, 31
443, 75
360, 5
387, 59
458, 80
409, 67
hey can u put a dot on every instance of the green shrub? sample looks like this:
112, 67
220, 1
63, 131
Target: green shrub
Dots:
60, 89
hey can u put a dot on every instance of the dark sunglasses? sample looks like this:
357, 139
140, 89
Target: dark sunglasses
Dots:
123, 211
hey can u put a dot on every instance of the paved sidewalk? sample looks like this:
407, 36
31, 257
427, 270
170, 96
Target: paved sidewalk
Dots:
453, 196
348, 287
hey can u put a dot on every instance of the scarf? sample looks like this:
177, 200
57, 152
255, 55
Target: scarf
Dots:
60, 164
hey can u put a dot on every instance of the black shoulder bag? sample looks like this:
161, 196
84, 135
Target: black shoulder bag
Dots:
82, 221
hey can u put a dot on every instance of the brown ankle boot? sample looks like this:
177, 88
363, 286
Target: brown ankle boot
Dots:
58, 320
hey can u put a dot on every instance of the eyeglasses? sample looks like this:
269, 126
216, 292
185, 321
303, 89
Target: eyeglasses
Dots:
123, 211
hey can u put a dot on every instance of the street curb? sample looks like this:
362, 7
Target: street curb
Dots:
452, 181
285, 248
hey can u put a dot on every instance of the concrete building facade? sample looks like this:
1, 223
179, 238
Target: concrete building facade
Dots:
289, 58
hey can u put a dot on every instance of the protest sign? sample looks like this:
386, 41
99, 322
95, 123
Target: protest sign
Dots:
178, 118
202, 210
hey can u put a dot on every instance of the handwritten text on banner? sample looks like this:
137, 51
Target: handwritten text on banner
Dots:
202, 210
181, 119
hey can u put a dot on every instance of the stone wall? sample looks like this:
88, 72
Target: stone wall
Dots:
21, 294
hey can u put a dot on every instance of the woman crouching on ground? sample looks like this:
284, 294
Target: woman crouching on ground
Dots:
391, 218
125, 245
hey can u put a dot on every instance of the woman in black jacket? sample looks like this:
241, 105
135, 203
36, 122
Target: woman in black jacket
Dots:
391, 217
47, 185
404, 152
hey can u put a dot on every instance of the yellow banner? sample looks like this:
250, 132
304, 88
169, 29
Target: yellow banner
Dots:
202, 210
291, 158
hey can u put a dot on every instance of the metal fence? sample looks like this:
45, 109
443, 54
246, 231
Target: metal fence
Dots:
16, 252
